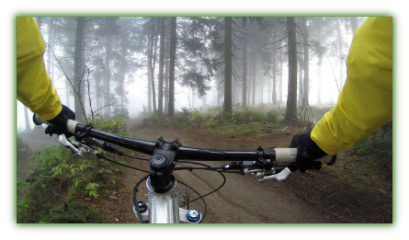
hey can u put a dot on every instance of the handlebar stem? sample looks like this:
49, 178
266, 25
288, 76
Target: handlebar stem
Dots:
162, 163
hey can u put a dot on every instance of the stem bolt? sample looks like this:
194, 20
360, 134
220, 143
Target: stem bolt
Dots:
193, 215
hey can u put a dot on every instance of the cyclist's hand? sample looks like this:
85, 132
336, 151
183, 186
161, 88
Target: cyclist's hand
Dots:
60, 122
307, 152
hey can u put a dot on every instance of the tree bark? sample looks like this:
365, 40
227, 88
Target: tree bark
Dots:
171, 108
300, 81
152, 59
274, 73
244, 89
107, 77
78, 70
149, 78
253, 102
161, 63
281, 78
291, 110
166, 83
306, 91
121, 87
228, 55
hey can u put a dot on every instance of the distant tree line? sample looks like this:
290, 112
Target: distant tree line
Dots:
98, 56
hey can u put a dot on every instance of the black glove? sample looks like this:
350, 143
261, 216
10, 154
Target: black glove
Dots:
307, 152
60, 122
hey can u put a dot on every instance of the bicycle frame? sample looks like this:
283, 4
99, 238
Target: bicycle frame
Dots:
164, 208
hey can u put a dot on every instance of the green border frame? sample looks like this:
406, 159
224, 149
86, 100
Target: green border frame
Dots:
393, 8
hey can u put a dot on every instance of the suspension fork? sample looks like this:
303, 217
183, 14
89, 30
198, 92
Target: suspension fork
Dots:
163, 207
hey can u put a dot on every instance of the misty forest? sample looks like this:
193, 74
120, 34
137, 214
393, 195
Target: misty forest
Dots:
213, 82
229, 62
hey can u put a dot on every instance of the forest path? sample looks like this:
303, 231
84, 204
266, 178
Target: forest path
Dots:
242, 199
351, 191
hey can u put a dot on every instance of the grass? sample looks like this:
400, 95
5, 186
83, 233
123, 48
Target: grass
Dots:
239, 122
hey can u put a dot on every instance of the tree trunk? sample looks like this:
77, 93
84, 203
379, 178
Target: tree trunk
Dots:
281, 78
107, 77
291, 111
152, 59
254, 80
161, 63
228, 55
166, 83
244, 89
78, 70
300, 81
149, 79
121, 87
274, 73
305, 102
155, 37
171, 108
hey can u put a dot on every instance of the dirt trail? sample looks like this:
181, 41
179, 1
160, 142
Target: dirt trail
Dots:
314, 197
242, 199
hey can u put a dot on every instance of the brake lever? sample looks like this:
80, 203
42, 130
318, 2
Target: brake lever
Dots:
277, 176
261, 176
84, 149
63, 141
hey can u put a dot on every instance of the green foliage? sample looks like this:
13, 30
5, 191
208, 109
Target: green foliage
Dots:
61, 176
241, 121
153, 120
92, 188
363, 147
113, 125
272, 116
70, 213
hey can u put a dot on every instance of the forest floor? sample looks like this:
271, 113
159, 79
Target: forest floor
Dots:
357, 189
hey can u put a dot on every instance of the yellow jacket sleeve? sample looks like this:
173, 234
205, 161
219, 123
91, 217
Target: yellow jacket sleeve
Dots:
34, 87
365, 102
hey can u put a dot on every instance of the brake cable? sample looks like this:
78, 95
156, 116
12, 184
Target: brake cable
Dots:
121, 164
206, 167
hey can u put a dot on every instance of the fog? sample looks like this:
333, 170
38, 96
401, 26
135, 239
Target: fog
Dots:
121, 56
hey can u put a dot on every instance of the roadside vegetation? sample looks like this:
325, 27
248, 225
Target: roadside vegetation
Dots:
239, 122
61, 187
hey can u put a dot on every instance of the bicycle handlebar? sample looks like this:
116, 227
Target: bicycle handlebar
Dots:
279, 155
282, 156
263, 165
